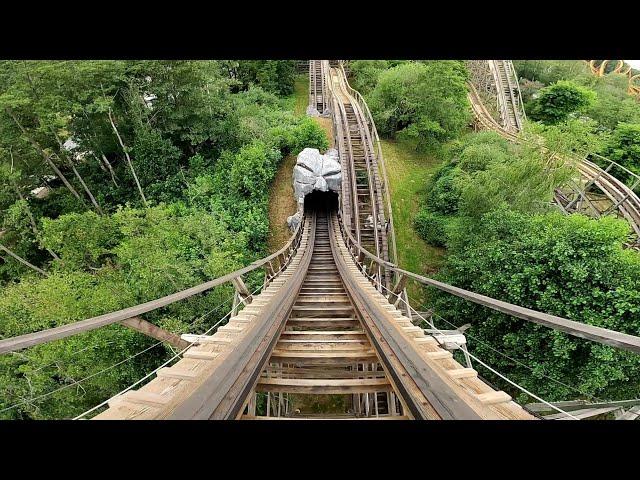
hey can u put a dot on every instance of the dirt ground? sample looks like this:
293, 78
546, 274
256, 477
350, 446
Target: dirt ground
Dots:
281, 204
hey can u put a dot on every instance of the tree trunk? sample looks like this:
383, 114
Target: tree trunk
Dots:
75, 172
46, 157
22, 260
124, 149
108, 164
32, 220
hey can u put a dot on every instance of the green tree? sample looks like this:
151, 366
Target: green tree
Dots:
570, 266
426, 102
555, 103
624, 146
276, 76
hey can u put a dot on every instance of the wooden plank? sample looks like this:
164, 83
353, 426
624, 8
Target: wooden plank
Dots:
323, 386
174, 372
141, 325
632, 414
346, 418
580, 404
439, 355
492, 398
580, 414
460, 373
201, 355
146, 398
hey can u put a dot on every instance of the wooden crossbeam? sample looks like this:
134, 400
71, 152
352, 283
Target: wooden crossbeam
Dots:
398, 287
141, 325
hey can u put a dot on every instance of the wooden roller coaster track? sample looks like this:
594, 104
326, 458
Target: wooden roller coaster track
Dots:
324, 323
622, 198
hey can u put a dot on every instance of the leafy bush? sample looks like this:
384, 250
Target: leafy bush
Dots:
426, 102
276, 76
570, 266
557, 102
295, 138
253, 169
551, 71
614, 104
364, 74
431, 228
525, 184
624, 146
308, 134
155, 157
82, 240
477, 157
444, 192
470, 154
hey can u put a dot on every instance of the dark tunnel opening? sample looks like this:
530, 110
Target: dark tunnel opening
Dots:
321, 201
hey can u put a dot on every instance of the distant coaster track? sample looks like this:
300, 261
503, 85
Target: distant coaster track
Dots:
621, 197
599, 68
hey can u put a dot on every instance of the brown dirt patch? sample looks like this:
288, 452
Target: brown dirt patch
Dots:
281, 204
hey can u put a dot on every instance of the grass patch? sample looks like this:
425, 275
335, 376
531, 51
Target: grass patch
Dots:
408, 173
281, 204
301, 94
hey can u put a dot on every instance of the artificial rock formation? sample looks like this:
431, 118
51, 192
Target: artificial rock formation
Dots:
314, 171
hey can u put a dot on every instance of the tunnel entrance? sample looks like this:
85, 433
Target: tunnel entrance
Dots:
321, 201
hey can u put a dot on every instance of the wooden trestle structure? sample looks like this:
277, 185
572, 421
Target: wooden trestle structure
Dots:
332, 320
596, 191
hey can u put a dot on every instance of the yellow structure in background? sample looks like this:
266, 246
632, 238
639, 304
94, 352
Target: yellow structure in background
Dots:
598, 68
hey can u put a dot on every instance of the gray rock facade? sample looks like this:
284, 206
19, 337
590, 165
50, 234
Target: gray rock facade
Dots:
314, 171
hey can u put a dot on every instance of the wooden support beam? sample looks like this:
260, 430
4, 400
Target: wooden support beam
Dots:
323, 385
281, 260
242, 290
269, 268
140, 325
581, 414
398, 287
492, 398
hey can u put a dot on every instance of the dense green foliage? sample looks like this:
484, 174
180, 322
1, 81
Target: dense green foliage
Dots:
624, 146
556, 102
431, 228
490, 204
571, 266
485, 173
276, 76
423, 101
203, 139
616, 114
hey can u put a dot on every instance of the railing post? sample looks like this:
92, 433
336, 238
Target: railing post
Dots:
242, 293
398, 287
